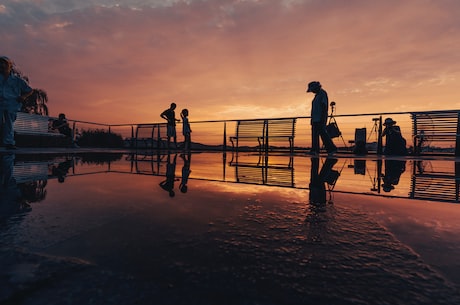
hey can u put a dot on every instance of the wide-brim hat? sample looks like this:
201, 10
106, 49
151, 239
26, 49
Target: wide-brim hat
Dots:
389, 121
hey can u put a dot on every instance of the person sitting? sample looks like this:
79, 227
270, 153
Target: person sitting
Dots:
395, 143
63, 127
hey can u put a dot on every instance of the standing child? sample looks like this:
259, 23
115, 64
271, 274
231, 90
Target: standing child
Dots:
186, 131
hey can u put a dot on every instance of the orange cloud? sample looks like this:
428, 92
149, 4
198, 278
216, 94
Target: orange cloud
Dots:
227, 59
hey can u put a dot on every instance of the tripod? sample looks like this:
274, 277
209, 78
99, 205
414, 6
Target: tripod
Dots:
375, 129
332, 122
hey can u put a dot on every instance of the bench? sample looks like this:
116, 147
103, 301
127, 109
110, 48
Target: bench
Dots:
249, 130
150, 136
435, 126
264, 130
32, 127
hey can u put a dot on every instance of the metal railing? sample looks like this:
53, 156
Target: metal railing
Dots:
214, 134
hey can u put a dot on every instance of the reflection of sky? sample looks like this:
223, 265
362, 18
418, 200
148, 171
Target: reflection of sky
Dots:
356, 175
248, 236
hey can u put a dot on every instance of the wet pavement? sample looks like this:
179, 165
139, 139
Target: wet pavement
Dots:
115, 235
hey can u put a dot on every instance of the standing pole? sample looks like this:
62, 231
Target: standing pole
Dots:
379, 139
225, 138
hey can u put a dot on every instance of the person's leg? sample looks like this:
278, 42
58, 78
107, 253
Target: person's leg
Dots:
314, 138
8, 131
175, 136
187, 142
169, 133
2, 123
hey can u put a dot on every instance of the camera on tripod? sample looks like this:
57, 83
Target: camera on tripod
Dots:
375, 119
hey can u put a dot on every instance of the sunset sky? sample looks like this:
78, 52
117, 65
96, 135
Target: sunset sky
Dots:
125, 61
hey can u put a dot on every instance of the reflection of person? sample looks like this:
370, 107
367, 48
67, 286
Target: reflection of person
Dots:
13, 91
395, 143
185, 172
11, 199
186, 131
170, 116
317, 217
168, 184
319, 114
318, 179
61, 170
393, 171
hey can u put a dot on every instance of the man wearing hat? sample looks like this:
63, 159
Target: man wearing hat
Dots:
13, 91
395, 144
319, 113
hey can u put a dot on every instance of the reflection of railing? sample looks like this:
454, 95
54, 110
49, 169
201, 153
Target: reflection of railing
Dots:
436, 180
148, 163
435, 185
263, 171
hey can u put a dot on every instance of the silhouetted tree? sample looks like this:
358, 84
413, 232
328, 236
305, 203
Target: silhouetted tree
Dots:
36, 102
100, 138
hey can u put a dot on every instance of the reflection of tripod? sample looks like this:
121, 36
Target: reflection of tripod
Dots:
375, 129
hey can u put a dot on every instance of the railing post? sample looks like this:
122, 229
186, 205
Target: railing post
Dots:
73, 130
132, 137
266, 136
137, 135
225, 137
379, 138
159, 137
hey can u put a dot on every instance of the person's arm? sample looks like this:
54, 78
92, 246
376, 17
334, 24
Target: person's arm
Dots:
163, 115
59, 124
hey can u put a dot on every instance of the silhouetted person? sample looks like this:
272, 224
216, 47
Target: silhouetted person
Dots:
393, 171
319, 114
186, 131
13, 92
168, 184
395, 144
170, 116
62, 125
185, 172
